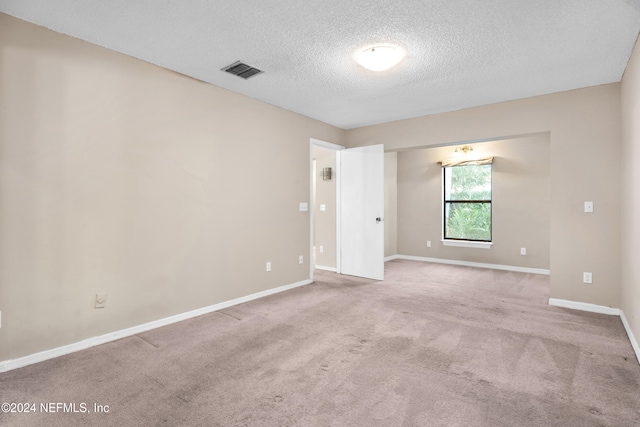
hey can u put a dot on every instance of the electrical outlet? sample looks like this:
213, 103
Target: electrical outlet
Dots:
268, 265
301, 259
523, 251
428, 243
101, 300
587, 277
321, 249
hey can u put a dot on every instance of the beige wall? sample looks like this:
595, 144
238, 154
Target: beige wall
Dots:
121, 177
520, 208
631, 193
584, 130
325, 221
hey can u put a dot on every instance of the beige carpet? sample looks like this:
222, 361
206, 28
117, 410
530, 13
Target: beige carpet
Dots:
432, 345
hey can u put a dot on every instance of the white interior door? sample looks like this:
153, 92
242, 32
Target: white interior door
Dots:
362, 212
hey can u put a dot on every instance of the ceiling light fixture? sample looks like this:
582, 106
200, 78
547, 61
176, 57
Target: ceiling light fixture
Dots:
380, 58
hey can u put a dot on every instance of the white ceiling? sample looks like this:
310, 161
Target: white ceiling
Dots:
461, 53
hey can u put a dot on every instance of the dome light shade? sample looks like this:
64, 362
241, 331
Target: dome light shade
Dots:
380, 58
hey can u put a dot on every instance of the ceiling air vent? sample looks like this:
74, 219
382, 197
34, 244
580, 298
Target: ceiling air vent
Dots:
242, 70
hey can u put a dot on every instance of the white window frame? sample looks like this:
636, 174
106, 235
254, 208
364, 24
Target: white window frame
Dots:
461, 243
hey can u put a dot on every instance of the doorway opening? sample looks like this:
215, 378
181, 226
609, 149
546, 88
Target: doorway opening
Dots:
347, 209
325, 221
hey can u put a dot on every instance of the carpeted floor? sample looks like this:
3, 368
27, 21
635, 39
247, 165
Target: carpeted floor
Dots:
431, 345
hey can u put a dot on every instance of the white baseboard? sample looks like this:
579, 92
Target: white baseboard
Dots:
593, 308
584, 306
20, 362
322, 267
632, 338
472, 264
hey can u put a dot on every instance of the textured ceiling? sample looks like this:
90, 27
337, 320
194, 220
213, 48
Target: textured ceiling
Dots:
461, 53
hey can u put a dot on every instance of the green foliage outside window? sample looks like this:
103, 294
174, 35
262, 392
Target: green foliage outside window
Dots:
468, 202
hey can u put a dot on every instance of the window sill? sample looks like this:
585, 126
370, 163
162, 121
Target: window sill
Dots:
467, 244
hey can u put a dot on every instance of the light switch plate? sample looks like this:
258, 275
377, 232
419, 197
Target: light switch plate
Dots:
101, 300
588, 207
323, 208
304, 207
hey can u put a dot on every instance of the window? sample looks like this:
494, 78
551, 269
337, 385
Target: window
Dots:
467, 201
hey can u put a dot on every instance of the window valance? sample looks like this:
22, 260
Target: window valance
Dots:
467, 162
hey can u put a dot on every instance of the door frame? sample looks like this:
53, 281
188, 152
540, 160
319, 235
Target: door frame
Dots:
324, 144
